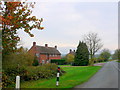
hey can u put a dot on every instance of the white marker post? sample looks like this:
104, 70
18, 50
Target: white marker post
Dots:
58, 73
57, 82
17, 82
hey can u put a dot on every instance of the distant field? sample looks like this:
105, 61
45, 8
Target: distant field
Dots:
73, 77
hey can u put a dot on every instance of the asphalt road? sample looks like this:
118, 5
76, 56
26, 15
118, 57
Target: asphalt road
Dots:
107, 77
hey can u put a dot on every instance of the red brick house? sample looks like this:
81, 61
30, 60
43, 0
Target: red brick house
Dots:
45, 53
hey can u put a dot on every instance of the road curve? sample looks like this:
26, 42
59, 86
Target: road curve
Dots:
107, 77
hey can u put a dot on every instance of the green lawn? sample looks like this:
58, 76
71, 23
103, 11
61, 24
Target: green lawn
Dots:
64, 65
73, 77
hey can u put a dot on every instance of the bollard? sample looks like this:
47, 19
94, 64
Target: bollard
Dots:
17, 82
58, 73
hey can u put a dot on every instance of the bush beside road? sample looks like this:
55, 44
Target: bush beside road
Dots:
73, 76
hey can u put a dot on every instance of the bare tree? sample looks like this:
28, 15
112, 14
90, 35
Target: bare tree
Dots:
94, 44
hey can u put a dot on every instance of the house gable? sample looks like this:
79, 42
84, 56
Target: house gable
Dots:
44, 52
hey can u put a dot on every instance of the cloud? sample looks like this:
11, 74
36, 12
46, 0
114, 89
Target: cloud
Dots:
74, 0
66, 23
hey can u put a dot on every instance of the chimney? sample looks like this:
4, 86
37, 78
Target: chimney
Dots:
46, 45
70, 50
56, 47
74, 51
34, 43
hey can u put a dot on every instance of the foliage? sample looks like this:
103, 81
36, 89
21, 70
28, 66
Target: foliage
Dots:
70, 58
10, 73
100, 59
74, 76
16, 16
94, 43
92, 61
45, 71
119, 54
82, 55
58, 61
19, 58
105, 54
35, 62
116, 54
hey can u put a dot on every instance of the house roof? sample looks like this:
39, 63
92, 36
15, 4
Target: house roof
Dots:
73, 53
47, 50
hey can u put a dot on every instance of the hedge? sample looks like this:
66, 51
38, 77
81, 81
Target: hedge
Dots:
58, 61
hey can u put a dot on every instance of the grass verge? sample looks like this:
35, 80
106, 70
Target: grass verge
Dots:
73, 76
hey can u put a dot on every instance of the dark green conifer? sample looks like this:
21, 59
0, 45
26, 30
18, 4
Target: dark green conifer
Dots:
82, 55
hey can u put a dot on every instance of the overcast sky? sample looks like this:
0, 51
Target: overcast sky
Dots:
66, 22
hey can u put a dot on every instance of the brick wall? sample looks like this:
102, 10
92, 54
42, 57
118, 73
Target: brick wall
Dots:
43, 57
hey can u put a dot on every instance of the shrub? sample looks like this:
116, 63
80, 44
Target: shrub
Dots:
29, 73
35, 62
15, 59
9, 75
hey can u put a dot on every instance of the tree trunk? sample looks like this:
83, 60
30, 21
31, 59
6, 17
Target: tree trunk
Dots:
91, 61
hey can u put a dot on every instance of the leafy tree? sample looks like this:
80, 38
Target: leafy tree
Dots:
119, 54
82, 55
94, 44
69, 58
116, 54
21, 58
16, 16
100, 59
105, 54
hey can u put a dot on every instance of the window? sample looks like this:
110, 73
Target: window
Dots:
47, 61
37, 54
43, 61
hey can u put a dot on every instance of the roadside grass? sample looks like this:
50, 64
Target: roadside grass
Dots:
73, 76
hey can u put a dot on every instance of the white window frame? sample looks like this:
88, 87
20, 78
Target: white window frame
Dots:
37, 55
